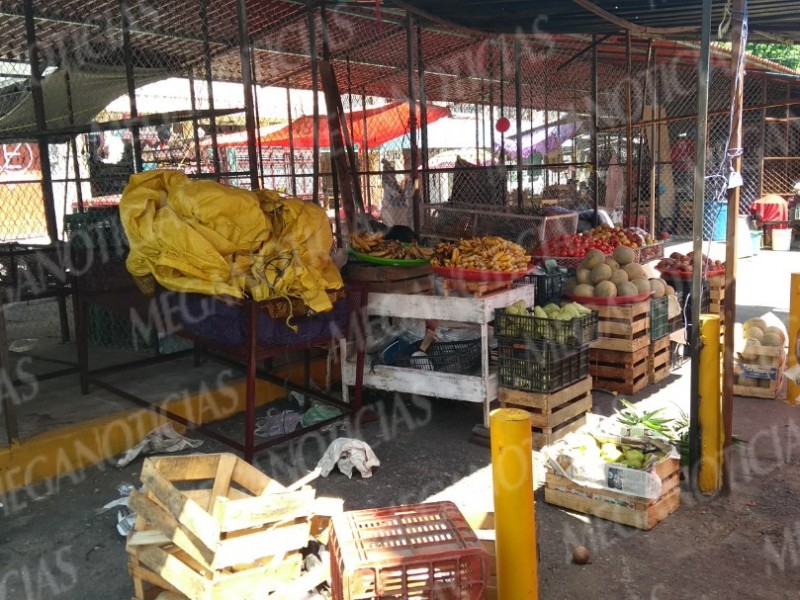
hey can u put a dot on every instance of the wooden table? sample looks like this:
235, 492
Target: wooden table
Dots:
468, 388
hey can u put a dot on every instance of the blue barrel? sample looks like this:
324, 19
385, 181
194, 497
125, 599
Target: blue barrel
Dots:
715, 221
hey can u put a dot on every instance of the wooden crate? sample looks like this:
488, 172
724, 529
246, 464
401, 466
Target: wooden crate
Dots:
622, 372
623, 328
477, 289
392, 280
658, 361
552, 415
717, 294
221, 510
634, 511
777, 359
167, 567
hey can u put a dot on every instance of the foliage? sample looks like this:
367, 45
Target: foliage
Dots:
788, 56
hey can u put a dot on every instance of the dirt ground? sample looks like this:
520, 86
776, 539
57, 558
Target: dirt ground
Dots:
745, 545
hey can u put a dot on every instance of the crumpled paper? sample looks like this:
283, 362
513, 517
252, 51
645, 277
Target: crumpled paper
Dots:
126, 518
347, 454
160, 440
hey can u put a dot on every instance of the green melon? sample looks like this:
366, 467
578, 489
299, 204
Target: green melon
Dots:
658, 287
584, 290
600, 273
627, 289
583, 275
642, 284
760, 323
593, 258
770, 339
624, 255
605, 289
635, 271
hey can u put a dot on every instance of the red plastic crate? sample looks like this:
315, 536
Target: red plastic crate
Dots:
422, 551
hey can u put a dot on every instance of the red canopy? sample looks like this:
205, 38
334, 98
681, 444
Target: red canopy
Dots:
382, 124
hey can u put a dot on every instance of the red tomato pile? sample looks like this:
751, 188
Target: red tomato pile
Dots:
577, 246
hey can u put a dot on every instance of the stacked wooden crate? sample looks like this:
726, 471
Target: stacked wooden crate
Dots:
717, 293
214, 527
544, 370
759, 372
618, 358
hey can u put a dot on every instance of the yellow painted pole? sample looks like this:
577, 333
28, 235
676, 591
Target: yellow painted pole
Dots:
709, 478
514, 513
792, 389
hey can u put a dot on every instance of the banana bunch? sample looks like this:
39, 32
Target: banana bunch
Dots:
374, 245
488, 253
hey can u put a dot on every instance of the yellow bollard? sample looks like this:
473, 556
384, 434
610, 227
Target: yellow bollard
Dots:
709, 479
514, 514
792, 389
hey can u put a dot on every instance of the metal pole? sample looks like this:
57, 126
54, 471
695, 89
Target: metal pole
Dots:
697, 237
477, 132
257, 117
423, 101
76, 165
593, 134
292, 169
129, 76
518, 103
209, 87
628, 130
312, 34
412, 115
641, 130
761, 148
247, 85
502, 100
491, 103
366, 147
41, 123
195, 124
654, 150
546, 160
738, 16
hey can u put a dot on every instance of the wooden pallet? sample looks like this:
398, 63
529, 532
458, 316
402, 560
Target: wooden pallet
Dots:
221, 510
777, 359
478, 289
392, 280
623, 328
634, 511
658, 361
622, 372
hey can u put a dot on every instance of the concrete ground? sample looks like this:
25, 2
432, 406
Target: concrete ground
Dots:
53, 544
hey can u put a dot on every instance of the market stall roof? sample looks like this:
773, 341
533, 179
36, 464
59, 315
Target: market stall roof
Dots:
769, 20
373, 127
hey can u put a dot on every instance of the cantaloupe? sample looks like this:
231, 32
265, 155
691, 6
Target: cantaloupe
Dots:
753, 333
623, 255
627, 289
748, 353
670, 291
605, 289
618, 277
760, 323
583, 275
643, 285
777, 331
658, 288
593, 258
611, 263
770, 339
570, 284
764, 383
634, 271
765, 361
601, 272
584, 290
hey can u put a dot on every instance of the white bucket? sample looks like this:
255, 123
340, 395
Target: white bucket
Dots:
781, 239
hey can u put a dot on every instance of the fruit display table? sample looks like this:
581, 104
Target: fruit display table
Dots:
481, 387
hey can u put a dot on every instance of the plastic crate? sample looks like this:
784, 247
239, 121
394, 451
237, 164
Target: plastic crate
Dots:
576, 332
536, 366
659, 318
461, 358
423, 551
549, 285
98, 227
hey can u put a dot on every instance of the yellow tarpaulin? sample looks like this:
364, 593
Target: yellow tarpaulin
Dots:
203, 237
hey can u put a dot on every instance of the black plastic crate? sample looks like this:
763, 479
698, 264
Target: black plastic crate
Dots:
461, 358
659, 318
535, 366
549, 285
575, 332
